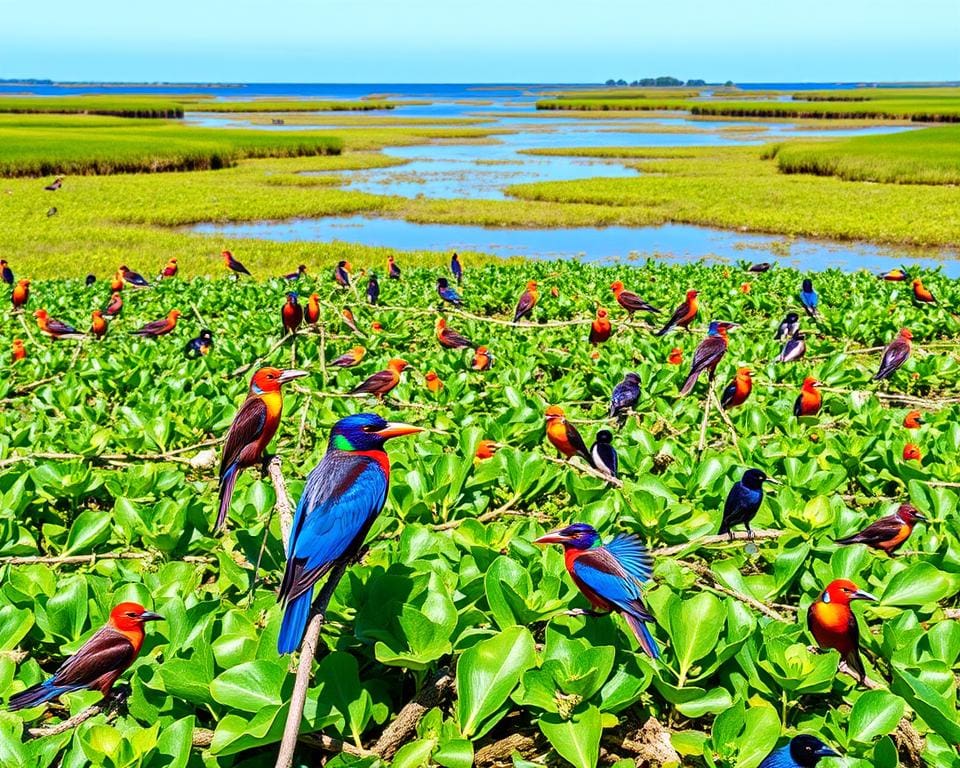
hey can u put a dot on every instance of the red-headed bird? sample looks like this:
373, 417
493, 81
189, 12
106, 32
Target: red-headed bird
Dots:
449, 338
433, 382
683, 315
382, 382
341, 499
809, 400
313, 309
291, 314
251, 431
393, 271
482, 359
54, 328
629, 300
528, 300
833, 624
708, 354
159, 327
341, 275
170, 270
131, 278
233, 265
98, 326
738, 390
921, 294
19, 352
600, 327
113, 306
99, 662
347, 315
20, 294
888, 533
895, 354
351, 358
913, 420
610, 576
564, 436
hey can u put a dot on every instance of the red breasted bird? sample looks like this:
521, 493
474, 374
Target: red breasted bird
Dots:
113, 306
895, 354
54, 328
341, 275
449, 338
526, 303
888, 533
482, 359
20, 294
382, 382
738, 390
342, 498
610, 576
6, 272
600, 327
809, 400
301, 271
233, 265
564, 436
159, 327
313, 309
98, 326
346, 314
708, 354
131, 278
913, 420
393, 271
833, 624
291, 314
486, 449
170, 270
54, 185
18, 352
351, 358
629, 300
912, 453
99, 662
251, 431
683, 315
116, 282
894, 275
675, 357
921, 294
433, 382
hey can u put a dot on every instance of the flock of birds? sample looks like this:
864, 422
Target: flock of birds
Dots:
347, 490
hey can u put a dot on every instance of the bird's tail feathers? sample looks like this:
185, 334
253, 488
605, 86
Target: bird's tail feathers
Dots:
294, 624
227, 482
690, 383
856, 664
646, 640
37, 695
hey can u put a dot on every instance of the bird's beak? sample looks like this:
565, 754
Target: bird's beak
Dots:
862, 595
290, 375
772, 481
151, 616
919, 420
554, 537
398, 429
825, 751
920, 518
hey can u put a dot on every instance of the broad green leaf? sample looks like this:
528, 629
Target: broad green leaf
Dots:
576, 740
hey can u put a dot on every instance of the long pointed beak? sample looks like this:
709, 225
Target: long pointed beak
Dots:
554, 537
920, 518
151, 616
862, 595
825, 751
398, 429
290, 375
772, 481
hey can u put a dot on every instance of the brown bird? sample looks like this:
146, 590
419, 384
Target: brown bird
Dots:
528, 300
313, 309
351, 358
888, 533
113, 306
449, 338
349, 320
629, 300
383, 381
54, 328
159, 327
132, 278
921, 294
482, 359
895, 355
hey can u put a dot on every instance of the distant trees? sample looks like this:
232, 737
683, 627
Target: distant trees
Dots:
656, 82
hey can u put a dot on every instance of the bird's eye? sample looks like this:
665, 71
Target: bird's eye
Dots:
367, 428
131, 614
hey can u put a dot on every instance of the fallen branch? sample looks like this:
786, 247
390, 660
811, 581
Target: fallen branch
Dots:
404, 725
107, 705
722, 538
91, 559
709, 580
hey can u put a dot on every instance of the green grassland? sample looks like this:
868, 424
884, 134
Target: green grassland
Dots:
119, 106
285, 105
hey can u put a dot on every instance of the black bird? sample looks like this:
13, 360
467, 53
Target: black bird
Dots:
456, 268
800, 752
624, 397
55, 184
342, 274
199, 346
6, 272
788, 327
447, 293
91, 279
373, 289
393, 271
744, 500
763, 266
794, 349
301, 271
603, 453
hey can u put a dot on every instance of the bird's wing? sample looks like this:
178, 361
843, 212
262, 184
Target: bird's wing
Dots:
895, 355
58, 326
525, 304
707, 353
798, 405
728, 394
884, 529
452, 337
379, 381
106, 651
576, 440
604, 573
678, 314
247, 427
344, 360
623, 396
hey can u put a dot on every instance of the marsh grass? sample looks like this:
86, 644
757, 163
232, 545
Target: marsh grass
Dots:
286, 105
117, 106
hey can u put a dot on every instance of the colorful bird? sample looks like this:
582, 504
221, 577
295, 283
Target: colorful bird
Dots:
833, 624
564, 436
116, 282
794, 349
762, 266
894, 275
629, 300
373, 289
131, 278
313, 309
382, 382
708, 354
376, 326
610, 576
526, 303
233, 265
449, 338
675, 357
800, 752
433, 382
54, 185
482, 359
456, 268
341, 275
683, 315
54, 328
170, 270
98, 326
342, 497
738, 390
393, 271
809, 298
5, 272
921, 294
600, 327
291, 314
895, 354
20, 294
604, 455
251, 431
199, 346
99, 662
744, 500
159, 327
809, 400
486, 449
447, 293
346, 314
911, 452
18, 352
788, 327
113, 306
301, 271
888, 533
625, 396
913, 420
351, 358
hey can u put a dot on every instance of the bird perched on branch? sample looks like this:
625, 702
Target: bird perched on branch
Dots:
738, 390
625, 396
629, 300
683, 315
708, 354
20, 294
834, 625
100, 661
800, 752
159, 327
131, 278
341, 275
809, 400
199, 346
895, 355
448, 294
291, 314
54, 328
449, 338
346, 314
564, 436
233, 265
351, 358
744, 500
382, 382
342, 497
526, 303
600, 328
888, 533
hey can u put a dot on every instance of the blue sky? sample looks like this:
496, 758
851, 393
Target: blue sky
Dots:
487, 41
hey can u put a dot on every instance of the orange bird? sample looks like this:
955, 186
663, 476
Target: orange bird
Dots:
888, 533
349, 321
683, 315
116, 283
564, 436
600, 328
54, 328
911, 453
913, 420
342, 274
676, 356
528, 300
894, 276
486, 449
382, 381
351, 358
833, 625
809, 400
19, 352
170, 270
159, 327
482, 359
132, 278
738, 390
921, 294
313, 309
251, 431
449, 338
433, 382
113, 306
376, 326
99, 662
895, 355
98, 326
629, 300
291, 314
233, 265
20, 294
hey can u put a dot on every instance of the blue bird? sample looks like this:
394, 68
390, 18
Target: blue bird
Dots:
199, 346
373, 289
809, 298
447, 293
342, 497
456, 268
625, 396
800, 752
744, 500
